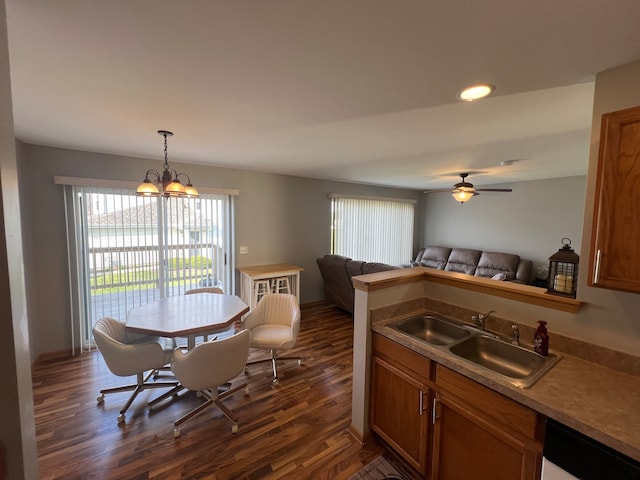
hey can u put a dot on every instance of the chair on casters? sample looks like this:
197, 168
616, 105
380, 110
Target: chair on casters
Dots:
274, 325
202, 290
128, 354
206, 367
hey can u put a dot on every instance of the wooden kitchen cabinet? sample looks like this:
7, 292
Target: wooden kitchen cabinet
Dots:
479, 433
615, 251
400, 400
447, 426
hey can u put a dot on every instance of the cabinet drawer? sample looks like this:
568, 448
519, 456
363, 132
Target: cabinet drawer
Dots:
491, 405
399, 355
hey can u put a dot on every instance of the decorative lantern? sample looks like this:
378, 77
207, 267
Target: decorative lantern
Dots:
563, 271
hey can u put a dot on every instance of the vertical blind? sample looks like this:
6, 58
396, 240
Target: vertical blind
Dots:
372, 229
126, 251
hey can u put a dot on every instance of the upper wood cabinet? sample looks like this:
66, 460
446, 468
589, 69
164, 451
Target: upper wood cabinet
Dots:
615, 245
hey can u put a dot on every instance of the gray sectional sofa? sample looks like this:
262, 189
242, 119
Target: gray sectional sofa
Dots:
337, 271
497, 265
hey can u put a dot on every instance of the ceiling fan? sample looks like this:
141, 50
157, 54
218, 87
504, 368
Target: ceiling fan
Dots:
463, 191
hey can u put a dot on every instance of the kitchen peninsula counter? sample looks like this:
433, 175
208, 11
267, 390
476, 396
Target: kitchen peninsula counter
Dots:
595, 400
600, 400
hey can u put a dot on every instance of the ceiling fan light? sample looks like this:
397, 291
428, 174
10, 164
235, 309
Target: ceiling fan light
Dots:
476, 92
463, 195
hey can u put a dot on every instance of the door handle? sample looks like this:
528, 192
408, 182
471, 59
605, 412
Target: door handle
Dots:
434, 413
596, 269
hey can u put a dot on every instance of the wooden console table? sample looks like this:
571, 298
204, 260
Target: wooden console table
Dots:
249, 275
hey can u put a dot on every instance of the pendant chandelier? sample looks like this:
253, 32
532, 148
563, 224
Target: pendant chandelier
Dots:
167, 184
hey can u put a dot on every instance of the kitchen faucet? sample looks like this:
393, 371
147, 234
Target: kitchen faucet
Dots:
481, 319
515, 332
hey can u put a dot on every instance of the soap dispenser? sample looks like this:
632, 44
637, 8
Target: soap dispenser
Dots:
541, 339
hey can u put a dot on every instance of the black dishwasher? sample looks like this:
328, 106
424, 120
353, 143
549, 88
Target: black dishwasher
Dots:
584, 457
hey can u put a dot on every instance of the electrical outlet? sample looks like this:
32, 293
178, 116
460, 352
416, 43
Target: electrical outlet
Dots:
244, 249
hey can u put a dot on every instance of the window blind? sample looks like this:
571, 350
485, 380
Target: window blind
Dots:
372, 229
126, 251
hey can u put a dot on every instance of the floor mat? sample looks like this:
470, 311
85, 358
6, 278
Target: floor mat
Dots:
379, 469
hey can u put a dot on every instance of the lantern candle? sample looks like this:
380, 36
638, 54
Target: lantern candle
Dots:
563, 269
568, 287
560, 283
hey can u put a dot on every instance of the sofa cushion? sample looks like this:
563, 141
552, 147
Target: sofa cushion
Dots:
492, 263
525, 273
435, 257
337, 271
463, 260
338, 289
354, 267
373, 267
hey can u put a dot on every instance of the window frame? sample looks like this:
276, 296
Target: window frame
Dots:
389, 230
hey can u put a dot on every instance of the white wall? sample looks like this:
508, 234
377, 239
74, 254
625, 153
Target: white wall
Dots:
281, 219
530, 221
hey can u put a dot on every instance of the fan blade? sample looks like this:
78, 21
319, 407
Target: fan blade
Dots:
440, 190
494, 190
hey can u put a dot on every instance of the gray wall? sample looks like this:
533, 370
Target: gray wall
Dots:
286, 219
611, 313
530, 221
608, 318
17, 426
281, 219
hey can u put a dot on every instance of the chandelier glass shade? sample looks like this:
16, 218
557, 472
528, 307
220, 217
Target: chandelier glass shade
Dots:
168, 183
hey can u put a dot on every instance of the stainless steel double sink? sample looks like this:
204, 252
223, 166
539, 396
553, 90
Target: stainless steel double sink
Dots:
514, 363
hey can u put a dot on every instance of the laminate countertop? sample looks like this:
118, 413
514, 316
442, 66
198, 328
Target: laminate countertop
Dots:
590, 398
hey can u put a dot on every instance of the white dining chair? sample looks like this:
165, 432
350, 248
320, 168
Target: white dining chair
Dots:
127, 354
274, 325
208, 366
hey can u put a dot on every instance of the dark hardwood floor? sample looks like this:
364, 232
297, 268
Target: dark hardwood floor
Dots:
297, 430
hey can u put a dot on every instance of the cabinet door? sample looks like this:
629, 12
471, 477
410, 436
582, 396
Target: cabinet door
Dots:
399, 415
465, 445
615, 251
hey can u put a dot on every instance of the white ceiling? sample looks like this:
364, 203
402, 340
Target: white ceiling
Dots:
354, 90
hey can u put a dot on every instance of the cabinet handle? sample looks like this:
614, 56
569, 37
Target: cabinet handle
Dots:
434, 414
596, 270
421, 402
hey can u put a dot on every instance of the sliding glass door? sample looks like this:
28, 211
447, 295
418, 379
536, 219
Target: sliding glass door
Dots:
128, 250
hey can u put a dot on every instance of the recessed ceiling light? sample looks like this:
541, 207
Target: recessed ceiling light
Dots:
476, 92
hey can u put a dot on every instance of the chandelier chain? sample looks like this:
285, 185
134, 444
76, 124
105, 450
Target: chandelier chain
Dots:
166, 162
